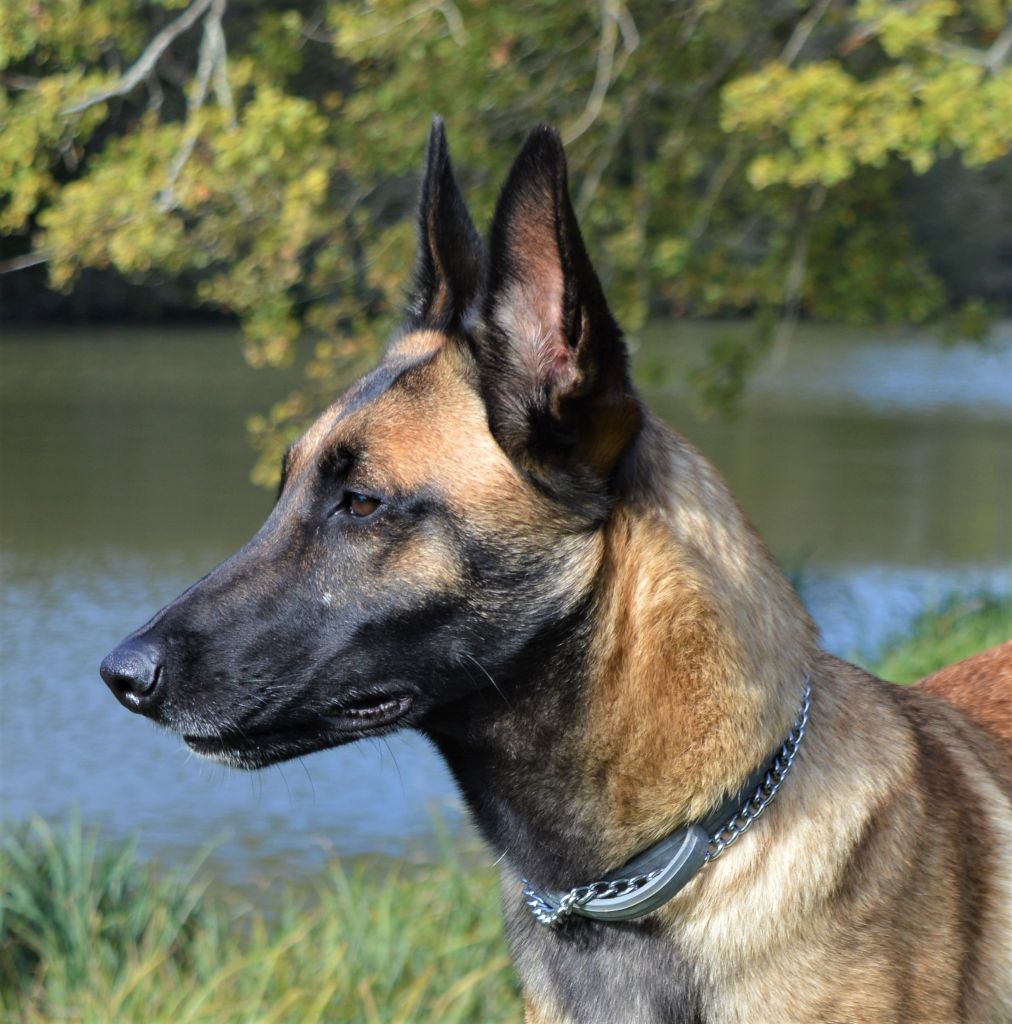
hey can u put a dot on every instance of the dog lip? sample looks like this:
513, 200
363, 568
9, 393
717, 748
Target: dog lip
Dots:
369, 713
351, 721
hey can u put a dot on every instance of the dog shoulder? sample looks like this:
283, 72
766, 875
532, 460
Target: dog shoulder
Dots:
981, 687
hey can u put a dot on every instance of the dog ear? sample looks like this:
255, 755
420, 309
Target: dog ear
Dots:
450, 265
553, 363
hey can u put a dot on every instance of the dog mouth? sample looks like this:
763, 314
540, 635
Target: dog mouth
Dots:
259, 747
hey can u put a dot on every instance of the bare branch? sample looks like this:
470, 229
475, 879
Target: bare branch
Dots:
313, 33
630, 33
454, 22
222, 90
29, 259
23, 83
1000, 49
714, 190
690, 25
448, 9
606, 152
602, 77
795, 277
155, 94
210, 61
614, 17
991, 59
943, 48
803, 30
145, 64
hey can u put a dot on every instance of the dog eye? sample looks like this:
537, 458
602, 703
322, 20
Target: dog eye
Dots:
361, 505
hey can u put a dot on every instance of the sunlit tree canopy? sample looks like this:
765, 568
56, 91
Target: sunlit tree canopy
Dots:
727, 156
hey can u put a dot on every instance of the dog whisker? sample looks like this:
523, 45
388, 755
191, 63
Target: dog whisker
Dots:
488, 676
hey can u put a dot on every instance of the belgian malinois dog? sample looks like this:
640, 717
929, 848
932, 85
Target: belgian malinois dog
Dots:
489, 539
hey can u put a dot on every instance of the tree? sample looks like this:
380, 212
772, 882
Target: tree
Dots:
727, 155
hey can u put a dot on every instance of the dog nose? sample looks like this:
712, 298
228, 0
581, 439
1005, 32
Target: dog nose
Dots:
132, 671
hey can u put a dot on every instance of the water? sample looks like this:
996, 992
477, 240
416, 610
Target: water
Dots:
878, 467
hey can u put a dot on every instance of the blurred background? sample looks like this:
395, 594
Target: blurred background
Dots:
802, 213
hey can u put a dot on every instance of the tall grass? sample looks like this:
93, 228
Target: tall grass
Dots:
97, 937
94, 935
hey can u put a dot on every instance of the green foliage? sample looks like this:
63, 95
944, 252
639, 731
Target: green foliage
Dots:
726, 156
820, 123
940, 638
98, 936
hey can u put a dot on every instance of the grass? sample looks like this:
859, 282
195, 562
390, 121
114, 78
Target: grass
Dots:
96, 936
939, 638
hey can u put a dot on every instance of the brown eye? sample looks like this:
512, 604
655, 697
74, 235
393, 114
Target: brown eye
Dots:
360, 505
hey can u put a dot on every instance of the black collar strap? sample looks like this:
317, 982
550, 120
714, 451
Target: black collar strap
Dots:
652, 877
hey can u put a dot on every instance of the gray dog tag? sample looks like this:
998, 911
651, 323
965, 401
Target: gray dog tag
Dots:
679, 856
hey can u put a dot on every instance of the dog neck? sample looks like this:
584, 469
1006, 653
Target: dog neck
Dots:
656, 700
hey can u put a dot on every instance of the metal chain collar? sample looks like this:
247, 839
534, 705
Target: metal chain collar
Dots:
582, 895
736, 826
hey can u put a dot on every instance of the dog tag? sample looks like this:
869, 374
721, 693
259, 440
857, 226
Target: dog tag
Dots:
682, 854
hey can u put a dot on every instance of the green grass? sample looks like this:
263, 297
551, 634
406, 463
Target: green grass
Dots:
97, 936
962, 628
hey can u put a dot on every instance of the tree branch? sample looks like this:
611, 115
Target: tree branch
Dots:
29, 259
448, 9
804, 28
990, 59
592, 179
145, 64
614, 16
23, 83
795, 277
715, 189
1000, 49
205, 66
222, 90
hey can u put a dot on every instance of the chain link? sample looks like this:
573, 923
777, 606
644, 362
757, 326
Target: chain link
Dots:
583, 894
751, 811
736, 826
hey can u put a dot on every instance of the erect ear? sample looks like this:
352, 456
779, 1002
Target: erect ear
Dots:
450, 264
553, 364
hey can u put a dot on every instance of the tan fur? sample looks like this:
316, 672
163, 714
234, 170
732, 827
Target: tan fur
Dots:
848, 901
686, 635
877, 889
416, 345
536, 1012
979, 685
848, 909
435, 435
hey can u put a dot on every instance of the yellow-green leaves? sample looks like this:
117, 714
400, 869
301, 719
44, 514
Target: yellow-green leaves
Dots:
902, 28
821, 122
722, 160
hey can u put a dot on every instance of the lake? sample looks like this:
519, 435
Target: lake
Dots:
877, 465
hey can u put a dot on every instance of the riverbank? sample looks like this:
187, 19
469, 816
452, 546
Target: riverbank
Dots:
96, 935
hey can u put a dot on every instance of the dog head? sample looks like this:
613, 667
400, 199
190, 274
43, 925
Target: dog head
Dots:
437, 523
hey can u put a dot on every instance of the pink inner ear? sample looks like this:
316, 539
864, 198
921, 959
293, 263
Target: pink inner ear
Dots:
530, 310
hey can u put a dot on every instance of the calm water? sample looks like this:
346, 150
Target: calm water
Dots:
877, 466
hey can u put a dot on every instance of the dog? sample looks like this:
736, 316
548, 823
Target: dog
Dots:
703, 817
